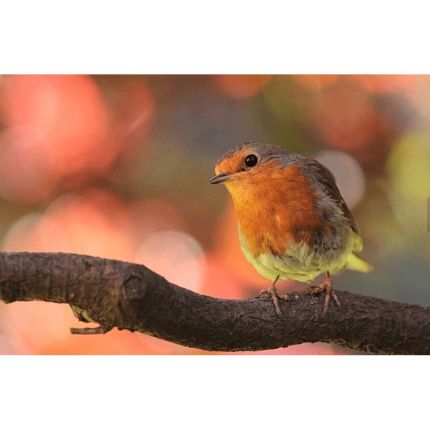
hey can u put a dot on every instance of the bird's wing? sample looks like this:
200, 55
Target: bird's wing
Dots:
322, 177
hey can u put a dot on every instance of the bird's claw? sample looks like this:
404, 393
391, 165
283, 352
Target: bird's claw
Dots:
272, 292
327, 287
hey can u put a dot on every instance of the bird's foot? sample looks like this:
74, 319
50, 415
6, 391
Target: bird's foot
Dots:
275, 296
327, 287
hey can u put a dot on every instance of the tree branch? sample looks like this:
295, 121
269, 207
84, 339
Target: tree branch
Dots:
130, 296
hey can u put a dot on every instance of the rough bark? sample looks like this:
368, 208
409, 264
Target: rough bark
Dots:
130, 296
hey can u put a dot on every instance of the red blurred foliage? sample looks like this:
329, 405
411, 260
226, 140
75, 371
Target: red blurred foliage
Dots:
44, 328
241, 86
68, 111
346, 119
68, 132
81, 224
314, 82
36, 325
219, 282
60, 128
94, 222
380, 84
115, 342
25, 174
132, 109
419, 95
152, 215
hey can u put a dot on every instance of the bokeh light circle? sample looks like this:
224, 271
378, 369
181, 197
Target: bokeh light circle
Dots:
176, 255
77, 223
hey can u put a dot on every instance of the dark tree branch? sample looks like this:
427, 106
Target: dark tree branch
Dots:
130, 296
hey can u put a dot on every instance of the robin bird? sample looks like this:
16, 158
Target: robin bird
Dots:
293, 222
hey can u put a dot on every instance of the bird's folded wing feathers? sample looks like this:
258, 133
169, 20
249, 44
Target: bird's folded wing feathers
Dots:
322, 176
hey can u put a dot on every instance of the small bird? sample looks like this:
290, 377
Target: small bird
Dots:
293, 222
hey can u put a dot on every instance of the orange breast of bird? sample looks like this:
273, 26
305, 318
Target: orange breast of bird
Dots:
274, 206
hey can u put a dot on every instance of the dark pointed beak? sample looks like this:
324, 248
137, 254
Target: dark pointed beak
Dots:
218, 179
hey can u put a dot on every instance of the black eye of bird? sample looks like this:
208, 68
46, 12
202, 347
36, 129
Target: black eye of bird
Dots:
251, 160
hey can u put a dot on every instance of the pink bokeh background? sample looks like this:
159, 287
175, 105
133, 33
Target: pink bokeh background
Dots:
117, 167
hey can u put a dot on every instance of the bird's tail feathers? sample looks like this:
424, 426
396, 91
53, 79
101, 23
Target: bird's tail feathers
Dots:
358, 264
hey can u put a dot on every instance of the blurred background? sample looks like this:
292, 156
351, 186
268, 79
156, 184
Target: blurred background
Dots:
118, 167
